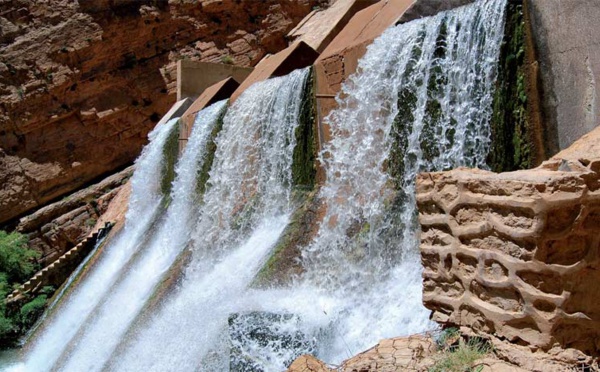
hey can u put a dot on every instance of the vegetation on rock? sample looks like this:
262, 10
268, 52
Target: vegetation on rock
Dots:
281, 264
512, 132
304, 169
458, 354
211, 148
17, 264
171, 150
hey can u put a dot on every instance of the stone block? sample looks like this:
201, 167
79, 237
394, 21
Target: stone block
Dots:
217, 92
320, 27
340, 59
298, 55
194, 77
516, 254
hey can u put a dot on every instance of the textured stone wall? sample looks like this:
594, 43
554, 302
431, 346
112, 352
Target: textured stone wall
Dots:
516, 254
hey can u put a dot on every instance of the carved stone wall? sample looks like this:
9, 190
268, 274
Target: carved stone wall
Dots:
516, 254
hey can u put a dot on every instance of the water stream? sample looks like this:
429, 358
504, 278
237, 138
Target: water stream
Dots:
144, 206
246, 207
421, 100
104, 330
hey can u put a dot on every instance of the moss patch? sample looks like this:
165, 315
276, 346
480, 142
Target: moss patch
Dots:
283, 263
304, 170
402, 125
17, 264
209, 158
513, 137
170, 152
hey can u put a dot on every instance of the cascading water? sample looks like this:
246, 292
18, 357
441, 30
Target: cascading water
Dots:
420, 101
103, 331
247, 206
145, 200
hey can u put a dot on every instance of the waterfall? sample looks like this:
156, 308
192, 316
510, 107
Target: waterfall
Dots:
145, 200
102, 331
246, 207
420, 100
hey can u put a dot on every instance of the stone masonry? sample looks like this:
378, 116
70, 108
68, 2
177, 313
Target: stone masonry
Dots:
516, 254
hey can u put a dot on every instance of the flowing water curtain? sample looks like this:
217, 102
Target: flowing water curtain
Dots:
252, 173
110, 321
420, 100
246, 207
145, 204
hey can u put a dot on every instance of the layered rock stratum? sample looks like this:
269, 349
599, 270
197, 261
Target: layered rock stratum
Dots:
82, 82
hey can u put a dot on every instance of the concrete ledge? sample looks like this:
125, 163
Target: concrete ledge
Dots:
340, 59
427, 8
217, 92
298, 55
194, 77
319, 28
175, 111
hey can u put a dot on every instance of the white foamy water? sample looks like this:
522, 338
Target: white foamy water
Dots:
365, 257
103, 331
247, 206
62, 325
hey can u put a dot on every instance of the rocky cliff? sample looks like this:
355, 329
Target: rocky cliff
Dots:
81, 83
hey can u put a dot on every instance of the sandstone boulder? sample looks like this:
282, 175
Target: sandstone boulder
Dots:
516, 254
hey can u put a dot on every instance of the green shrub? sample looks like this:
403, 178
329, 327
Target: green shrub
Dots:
17, 265
462, 357
17, 261
227, 59
31, 311
90, 222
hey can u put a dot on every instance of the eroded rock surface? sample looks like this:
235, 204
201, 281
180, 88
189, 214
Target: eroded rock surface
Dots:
82, 83
516, 254
396, 354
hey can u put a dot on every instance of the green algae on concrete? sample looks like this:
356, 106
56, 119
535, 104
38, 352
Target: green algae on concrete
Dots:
513, 133
211, 148
283, 263
304, 170
170, 152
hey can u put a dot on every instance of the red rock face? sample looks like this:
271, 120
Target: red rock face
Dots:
82, 83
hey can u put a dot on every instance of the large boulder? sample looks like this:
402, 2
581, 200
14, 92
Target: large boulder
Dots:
516, 254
